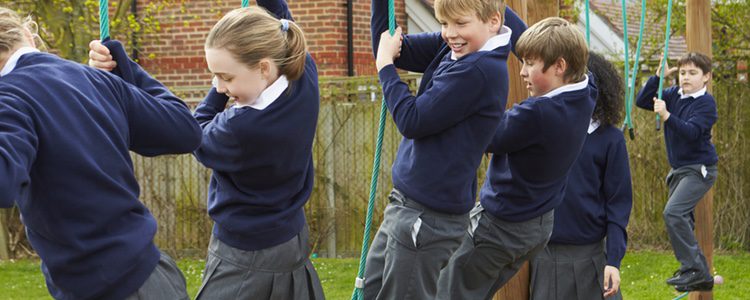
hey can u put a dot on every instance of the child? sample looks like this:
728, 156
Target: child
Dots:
597, 203
446, 129
688, 112
534, 147
65, 132
261, 153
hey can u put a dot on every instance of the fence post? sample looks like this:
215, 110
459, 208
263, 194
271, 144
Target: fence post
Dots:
330, 167
4, 246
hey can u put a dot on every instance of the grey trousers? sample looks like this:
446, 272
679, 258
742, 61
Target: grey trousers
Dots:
165, 282
569, 272
411, 246
491, 253
687, 185
280, 272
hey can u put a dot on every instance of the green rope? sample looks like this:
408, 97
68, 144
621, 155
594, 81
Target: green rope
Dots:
630, 88
103, 19
245, 3
683, 295
588, 21
357, 294
664, 59
626, 43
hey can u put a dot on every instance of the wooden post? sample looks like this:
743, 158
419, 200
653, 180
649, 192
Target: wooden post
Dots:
4, 242
698, 36
531, 12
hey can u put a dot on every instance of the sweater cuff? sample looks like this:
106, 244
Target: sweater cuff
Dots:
216, 100
388, 73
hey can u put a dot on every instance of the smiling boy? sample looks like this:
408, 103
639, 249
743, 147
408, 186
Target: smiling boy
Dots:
688, 112
446, 127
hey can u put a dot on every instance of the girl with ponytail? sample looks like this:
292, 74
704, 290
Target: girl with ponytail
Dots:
260, 151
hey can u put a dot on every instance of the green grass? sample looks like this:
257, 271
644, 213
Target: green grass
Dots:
643, 274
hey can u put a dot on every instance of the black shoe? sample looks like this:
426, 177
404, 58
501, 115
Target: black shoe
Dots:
674, 277
690, 277
707, 285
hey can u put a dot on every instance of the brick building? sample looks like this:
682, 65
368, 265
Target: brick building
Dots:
175, 54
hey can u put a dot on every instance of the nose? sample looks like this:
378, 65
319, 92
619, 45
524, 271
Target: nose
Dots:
221, 87
523, 72
450, 31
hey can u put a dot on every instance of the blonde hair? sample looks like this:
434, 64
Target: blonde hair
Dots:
12, 28
454, 9
251, 34
554, 38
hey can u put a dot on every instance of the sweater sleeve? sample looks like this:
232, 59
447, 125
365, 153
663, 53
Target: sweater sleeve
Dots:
220, 149
417, 50
279, 8
444, 104
519, 127
516, 25
18, 147
699, 121
160, 123
618, 193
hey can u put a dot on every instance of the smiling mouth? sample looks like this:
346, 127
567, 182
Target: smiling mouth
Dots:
457, 47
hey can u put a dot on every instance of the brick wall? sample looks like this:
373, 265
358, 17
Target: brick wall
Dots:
175, 54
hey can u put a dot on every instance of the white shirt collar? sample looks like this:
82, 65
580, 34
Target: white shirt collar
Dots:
13, 60
569, 87
697, 94
501, 39
270, 94
593, 125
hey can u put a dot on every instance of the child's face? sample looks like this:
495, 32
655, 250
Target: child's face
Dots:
467, 33
540, 82
235, 79
692, 78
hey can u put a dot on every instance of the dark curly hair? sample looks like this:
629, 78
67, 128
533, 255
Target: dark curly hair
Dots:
609, 101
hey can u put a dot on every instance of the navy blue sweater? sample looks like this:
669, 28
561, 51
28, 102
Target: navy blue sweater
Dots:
687, 132
447, 126
598, 197
534, 147
65, 132
261, 160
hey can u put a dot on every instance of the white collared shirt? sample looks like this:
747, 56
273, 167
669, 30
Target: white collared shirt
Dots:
569, 87
593, 125
269, 95
697, 94
501, 39
13, 59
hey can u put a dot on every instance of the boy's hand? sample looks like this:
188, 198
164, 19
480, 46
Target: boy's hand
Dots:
668, 71
611, 281
389, 48
99, 56
660, 107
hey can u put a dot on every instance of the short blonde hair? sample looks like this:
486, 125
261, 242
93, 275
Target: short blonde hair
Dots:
251, 34
453, 9
12, 28
554, 38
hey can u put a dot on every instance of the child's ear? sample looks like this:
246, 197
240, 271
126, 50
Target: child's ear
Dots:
29, 38
561, 65
496, 22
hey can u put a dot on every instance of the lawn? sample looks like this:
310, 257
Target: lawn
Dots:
643, 275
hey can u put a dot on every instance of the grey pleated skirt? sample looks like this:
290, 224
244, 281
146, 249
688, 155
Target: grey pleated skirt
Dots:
280, 272
568, 272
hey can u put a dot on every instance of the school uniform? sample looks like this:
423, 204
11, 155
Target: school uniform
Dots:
597, 203
692, 156
446, 128
261, 157
534, 147
65, 134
